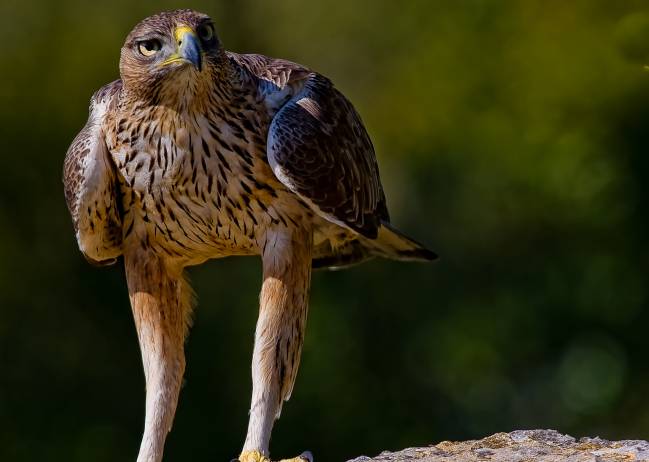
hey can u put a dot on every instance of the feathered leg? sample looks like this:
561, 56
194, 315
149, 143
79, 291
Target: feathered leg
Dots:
279, 334
161, 302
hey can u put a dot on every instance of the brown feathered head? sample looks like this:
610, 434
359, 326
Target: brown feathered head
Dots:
170, 55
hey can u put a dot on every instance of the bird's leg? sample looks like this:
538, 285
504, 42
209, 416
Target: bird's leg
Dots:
161, 302
279, 334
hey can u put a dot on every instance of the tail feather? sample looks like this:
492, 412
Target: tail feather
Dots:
392, 243
350, 254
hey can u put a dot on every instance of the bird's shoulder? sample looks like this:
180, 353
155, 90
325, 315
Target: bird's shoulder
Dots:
101, 102
276, 71
105, 99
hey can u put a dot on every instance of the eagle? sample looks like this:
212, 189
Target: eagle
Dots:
198, 153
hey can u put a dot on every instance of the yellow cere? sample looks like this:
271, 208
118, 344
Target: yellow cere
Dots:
180, 31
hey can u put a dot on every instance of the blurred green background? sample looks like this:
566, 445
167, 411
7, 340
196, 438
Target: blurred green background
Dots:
512, 139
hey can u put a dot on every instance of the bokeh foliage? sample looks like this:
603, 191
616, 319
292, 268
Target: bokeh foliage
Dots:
512, 139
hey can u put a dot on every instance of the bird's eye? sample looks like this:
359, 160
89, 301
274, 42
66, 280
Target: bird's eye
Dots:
149, 47
206, 32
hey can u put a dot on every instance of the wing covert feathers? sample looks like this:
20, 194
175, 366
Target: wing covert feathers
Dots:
319, 149
278, 72
90, 184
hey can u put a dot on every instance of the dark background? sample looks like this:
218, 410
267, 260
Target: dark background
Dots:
512, 139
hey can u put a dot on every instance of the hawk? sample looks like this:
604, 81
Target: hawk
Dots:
198, 153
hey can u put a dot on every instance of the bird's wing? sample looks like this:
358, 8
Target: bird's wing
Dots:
278, 72
318, 147
89, 181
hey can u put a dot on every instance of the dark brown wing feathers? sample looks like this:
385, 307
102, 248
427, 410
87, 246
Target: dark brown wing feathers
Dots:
319, 148
277, 71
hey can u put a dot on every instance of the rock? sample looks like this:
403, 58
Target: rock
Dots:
522, 446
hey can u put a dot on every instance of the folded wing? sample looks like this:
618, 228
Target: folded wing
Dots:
90, 185
319, 148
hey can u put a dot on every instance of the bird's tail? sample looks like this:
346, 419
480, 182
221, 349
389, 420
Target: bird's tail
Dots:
392, 243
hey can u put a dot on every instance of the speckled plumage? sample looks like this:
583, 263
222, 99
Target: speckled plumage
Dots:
190, 157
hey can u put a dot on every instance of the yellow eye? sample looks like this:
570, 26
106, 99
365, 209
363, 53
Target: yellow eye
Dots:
206, 32
149, 47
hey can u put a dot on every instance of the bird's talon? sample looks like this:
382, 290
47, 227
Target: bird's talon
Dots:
307, 456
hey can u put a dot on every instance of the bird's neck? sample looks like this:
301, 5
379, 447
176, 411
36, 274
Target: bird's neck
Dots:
189, 92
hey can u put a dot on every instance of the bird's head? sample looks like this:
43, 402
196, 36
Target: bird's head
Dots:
171, 56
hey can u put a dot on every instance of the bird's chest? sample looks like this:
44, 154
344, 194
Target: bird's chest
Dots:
193, 186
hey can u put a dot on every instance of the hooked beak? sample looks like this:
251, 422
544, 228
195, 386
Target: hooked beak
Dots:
188, 48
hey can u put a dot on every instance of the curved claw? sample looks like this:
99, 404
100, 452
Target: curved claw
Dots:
307, 456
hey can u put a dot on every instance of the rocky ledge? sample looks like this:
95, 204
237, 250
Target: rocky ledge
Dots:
522, 446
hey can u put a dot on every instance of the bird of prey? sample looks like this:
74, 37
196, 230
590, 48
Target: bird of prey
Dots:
199, 153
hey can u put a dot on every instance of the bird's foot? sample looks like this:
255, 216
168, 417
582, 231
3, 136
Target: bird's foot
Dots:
251, 456
256, 456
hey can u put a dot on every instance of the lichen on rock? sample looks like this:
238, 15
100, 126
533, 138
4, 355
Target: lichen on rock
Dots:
522, 446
